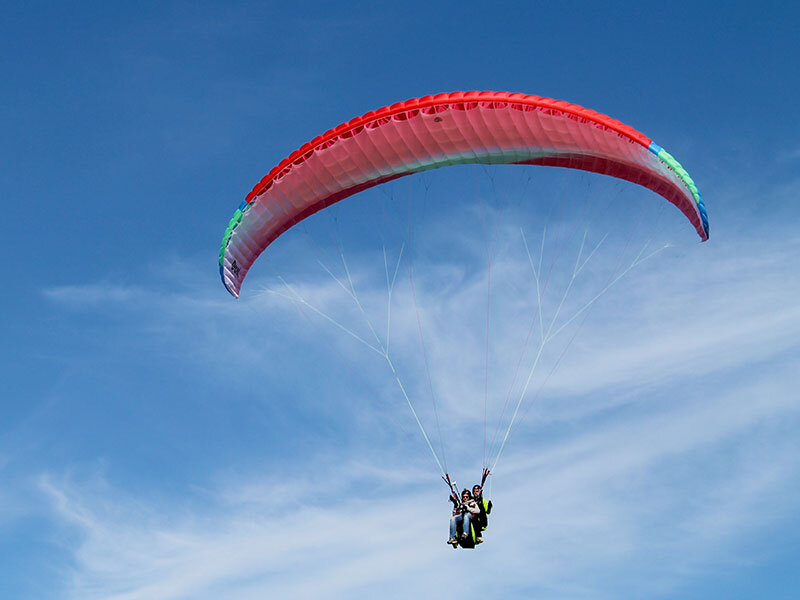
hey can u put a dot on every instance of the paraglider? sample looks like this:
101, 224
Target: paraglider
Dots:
463, 522
427, 133
484, 508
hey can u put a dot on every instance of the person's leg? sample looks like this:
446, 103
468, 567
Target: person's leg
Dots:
459, 524
453, 527
465, 525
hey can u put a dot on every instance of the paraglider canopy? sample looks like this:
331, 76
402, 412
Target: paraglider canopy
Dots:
437, 131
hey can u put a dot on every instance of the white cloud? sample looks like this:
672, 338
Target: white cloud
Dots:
90, 295
647, 496
592, 501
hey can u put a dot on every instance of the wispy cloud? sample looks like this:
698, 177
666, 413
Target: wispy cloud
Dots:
592, 501
646, 496
681, 315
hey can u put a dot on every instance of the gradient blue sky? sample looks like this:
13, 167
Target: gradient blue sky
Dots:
159, 440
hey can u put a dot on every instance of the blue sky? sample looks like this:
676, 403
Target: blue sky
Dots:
160, 440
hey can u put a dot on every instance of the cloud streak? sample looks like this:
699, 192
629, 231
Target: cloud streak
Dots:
586, 507
661, 444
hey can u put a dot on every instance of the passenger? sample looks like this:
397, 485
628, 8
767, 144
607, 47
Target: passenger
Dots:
462, 515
